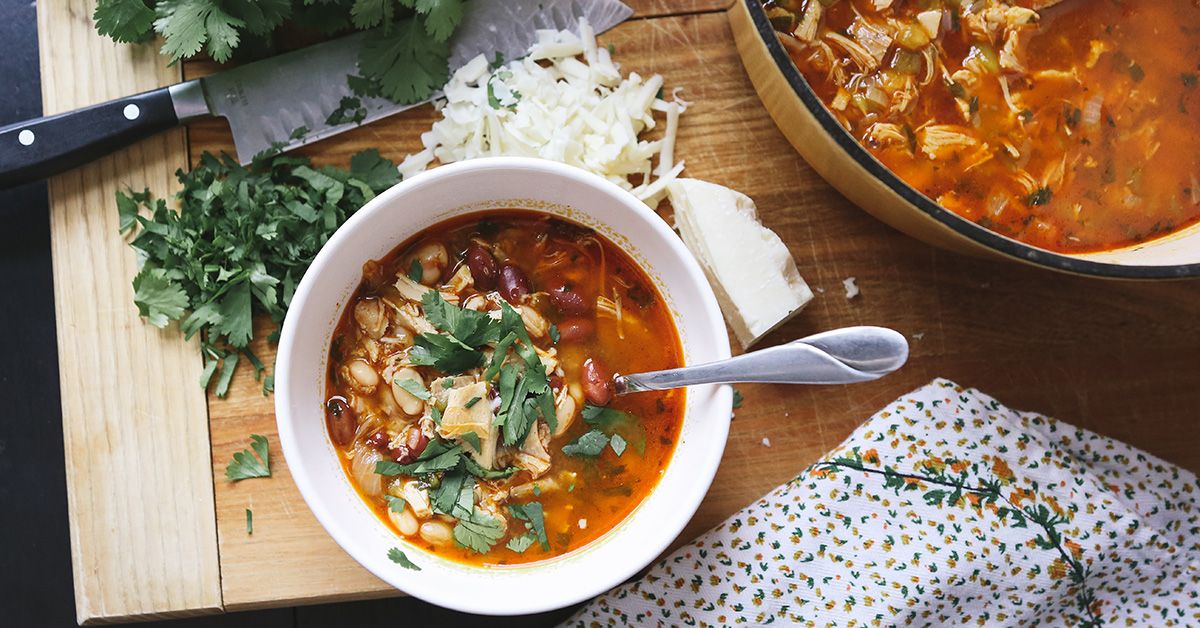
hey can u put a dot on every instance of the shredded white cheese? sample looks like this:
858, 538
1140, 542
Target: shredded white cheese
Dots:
851, 287
565, 101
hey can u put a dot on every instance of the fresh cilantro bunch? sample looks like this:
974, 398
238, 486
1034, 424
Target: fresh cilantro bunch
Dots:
404, 57
239, 243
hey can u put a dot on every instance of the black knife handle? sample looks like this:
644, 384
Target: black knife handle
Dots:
39, 148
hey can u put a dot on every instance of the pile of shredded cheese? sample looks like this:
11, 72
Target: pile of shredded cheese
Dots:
553, 105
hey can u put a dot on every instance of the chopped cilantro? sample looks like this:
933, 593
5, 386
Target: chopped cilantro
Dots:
478, 532
473, 439
611, 421
737, 399
414, 388
589, 445
438, 456
350, 111
474, 469
617, 443
238, 244
246, 465
471, 402
521, 543
416, 271
537, 490
395, 504
396, 555
1040, 197
533, 514
1136, 72
249, 521
555, 336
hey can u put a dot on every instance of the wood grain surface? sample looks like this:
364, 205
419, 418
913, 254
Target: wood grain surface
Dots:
139, 494
1119, 358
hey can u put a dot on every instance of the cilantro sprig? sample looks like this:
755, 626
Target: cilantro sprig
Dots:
404, 56
239, 243
248, 464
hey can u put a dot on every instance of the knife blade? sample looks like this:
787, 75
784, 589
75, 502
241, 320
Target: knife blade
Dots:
267, 100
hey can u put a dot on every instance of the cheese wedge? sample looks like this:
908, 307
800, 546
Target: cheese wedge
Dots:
750, 269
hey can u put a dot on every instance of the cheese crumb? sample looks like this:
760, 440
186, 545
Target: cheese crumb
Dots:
851, 287
766, 442
583, 524
919, 335
565, 101
750, 268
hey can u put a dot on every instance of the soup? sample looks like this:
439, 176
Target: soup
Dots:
470, 390
1070, 125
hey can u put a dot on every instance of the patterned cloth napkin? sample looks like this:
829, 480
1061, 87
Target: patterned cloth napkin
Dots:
944, 508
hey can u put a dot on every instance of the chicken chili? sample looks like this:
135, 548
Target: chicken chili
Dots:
470, 387
1068, 124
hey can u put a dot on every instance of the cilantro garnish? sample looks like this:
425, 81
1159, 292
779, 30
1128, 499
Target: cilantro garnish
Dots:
555, 336
472, 401
521, 543
395, 504
350, 111
238, 244
404, 57
396, 555
479, 532
587, 446
414, 388
416, 271
533, 515
737, 399
438, 456
617, 443
611, 421
247, 465
473, 439
249, 521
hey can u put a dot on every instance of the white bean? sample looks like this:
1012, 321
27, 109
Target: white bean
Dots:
408, 403
434, 259
436, 532
364, 376
405, 521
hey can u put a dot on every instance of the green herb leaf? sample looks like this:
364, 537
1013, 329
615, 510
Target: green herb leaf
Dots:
612, 421
555, 336
126, 21
521, 543
249, 521
441, 16
474, 469
589, 445
350, 111
533, 514
473, 439
158, 297
617, 443
395, 504
478, 532
407, 62
414, 388
737, 399
416, 272
1040, 197
446, 494
471, 402
396, 555
444, 353
246, 465
438, 456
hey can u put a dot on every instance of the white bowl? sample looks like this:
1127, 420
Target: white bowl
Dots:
393, 217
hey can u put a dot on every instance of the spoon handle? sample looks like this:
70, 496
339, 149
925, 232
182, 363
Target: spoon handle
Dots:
840, 356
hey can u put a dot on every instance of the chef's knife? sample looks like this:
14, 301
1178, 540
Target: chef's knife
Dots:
266, 101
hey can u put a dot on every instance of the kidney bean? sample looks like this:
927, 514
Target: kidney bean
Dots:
575, 330
568, 301
414, 445
598, 387
340, 418
514, 285
379, 440
484, 268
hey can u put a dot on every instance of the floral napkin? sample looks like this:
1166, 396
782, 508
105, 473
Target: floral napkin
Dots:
944, 508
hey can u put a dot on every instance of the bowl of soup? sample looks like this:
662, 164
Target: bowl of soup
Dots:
1059, 133
444, 386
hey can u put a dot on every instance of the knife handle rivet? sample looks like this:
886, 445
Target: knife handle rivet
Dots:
25, 137
132, 112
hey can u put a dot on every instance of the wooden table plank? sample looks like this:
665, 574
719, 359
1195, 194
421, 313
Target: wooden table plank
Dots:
138, 488
664, 8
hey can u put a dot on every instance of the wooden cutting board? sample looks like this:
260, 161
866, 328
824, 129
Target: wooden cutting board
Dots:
157, 530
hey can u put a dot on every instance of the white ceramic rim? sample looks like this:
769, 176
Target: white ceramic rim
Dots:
665, 529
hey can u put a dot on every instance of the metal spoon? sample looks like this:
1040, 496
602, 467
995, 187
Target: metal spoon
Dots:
840, 356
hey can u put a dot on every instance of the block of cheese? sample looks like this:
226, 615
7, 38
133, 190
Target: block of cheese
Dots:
750, 269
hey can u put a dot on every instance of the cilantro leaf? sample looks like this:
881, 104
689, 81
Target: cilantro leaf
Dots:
416, 271
737, 399
350, 111
474, 469
478, 532
414, 388
473, 329
444, 460
612, 421
444, 353
589, 445
533, 514
408, 62
473, 439
395, 504
371, 168
396, 555
126, 21
249, 521
521, 543
446, 495
158, 296
555, 336
245, 465
441, 16
371, 13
